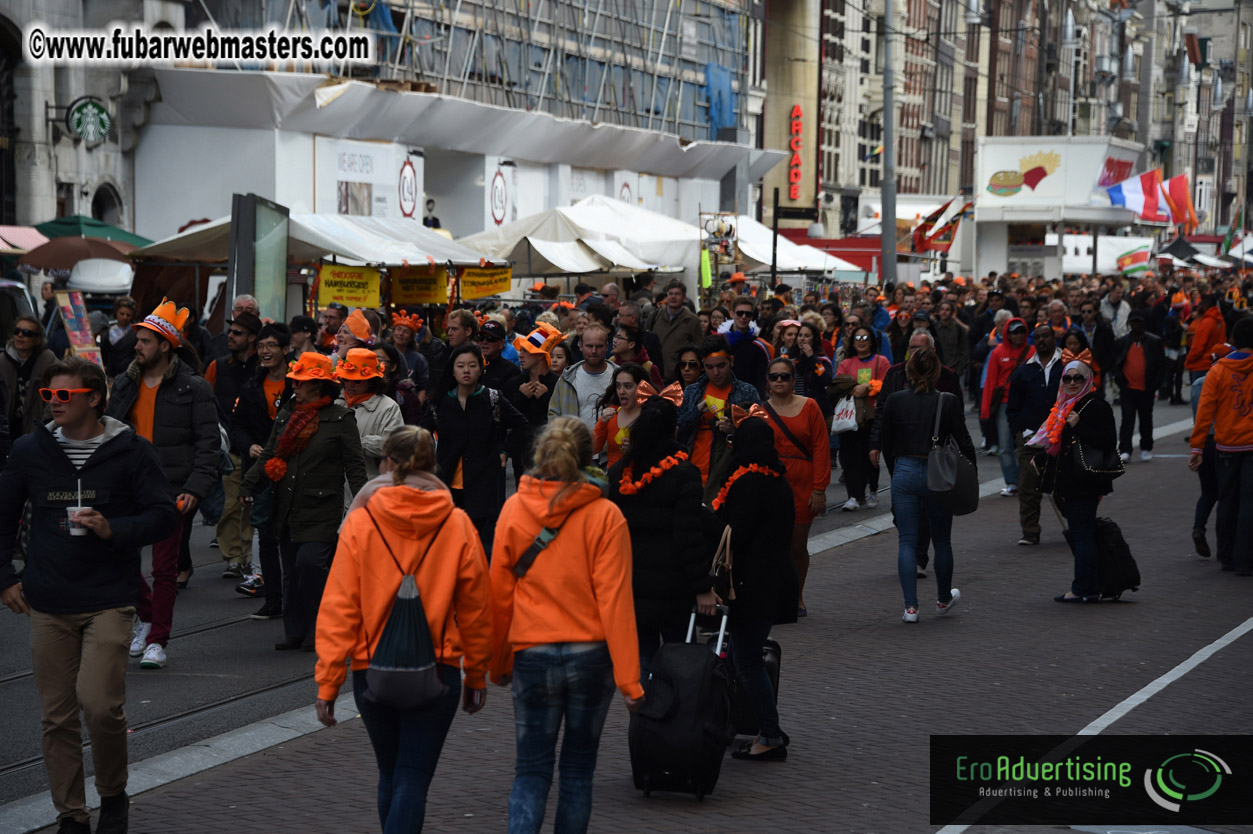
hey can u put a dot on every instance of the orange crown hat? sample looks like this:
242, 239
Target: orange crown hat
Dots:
311, 365
360, 327
672, 393
360, 364
1178, 300
412, 322
167, 320
739, 415
539, 341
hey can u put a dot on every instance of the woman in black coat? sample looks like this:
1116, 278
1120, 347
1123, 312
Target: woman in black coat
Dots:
659, 493
472, 424
1080, 416
756, 501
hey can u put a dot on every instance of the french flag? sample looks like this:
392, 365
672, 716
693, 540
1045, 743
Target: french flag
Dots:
1141, 194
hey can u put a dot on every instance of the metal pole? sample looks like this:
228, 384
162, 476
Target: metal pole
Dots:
887, 224
774, 240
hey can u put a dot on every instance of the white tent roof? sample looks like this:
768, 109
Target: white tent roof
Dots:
374, 240
102, 275
755, 244
596, 234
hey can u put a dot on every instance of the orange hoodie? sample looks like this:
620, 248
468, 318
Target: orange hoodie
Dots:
1205, 332
579, 588
362, 585
1227, 403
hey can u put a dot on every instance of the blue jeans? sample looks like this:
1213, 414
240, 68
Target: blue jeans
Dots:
747, 638
553, 682
912, 500
407, 744
1005, 440
1081, 520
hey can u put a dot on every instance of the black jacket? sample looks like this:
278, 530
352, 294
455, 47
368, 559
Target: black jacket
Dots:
1031, 396
671, 563
895, 380
1154, 360
909, 424
1095, 429
184, 425
229, 376
309, 500
475, 436
118, 357
534, 409
436, 352
1102, 344
250, 422
761, 512
75, 574
498, 373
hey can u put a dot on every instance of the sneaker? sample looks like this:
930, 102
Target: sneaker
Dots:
233, 570
1027, 541
252, 586
910, 615
993, 451
872, 500
922, 573
1146, 455
114, 814
1199, 542
139, 637
270, 611
851, 505
1124, 457
73, 826
1009, 491
214, 543
945, 607
154, 657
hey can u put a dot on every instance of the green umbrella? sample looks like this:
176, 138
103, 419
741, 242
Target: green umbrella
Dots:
80, 226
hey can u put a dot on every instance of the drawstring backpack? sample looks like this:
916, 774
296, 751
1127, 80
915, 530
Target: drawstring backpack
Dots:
402, 672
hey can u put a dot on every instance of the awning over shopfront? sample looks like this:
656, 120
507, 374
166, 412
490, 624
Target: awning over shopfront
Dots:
22, 239
392, 242
309, 103
755, 244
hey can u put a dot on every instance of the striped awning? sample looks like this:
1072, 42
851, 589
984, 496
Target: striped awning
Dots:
22, 237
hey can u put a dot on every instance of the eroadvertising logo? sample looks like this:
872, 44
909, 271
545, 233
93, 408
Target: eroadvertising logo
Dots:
1091, 780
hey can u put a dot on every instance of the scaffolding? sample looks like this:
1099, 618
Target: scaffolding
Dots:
675, 66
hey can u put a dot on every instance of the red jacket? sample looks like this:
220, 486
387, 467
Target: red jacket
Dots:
1002, 362
1205, 332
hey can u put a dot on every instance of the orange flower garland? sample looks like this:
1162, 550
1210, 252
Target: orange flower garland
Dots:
735, 476
628, 487
275, 469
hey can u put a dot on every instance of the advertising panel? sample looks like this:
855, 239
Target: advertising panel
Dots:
479, 282
354, 286
366, 179
420, 285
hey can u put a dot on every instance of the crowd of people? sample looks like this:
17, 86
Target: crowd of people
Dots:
371, 449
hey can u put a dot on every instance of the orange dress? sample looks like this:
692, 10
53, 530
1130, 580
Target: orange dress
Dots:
805, 472
611, 437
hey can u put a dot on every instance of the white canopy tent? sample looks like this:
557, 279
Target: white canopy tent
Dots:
595, 235
372, 240
755, 244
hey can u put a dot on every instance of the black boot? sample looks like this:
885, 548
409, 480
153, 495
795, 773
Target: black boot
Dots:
73, 826
114, 814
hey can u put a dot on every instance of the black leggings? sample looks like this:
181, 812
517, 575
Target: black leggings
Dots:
855, 458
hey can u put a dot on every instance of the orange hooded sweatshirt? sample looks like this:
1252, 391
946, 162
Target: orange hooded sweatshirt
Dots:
579, 588
362, 585
1227, 403
1207, 331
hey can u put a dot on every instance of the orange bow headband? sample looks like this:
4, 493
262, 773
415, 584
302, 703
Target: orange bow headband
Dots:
672, 393
739, 415
1084, 356
413, 322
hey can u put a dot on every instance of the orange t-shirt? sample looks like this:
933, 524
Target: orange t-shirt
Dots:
273, 392
702, 446
1133, 368
144, 410
211, 374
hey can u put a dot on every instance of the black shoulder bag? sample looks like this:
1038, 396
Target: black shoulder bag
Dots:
778, 421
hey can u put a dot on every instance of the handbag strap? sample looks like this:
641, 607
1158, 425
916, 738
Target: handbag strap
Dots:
939, 410
778, 421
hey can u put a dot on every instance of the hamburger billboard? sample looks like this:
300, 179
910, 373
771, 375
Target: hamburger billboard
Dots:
1023, 171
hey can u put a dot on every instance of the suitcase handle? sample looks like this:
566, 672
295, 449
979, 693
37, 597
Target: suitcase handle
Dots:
722, 629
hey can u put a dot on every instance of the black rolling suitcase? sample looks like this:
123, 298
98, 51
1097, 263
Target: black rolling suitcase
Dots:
680, 735
742, 715
1116, 568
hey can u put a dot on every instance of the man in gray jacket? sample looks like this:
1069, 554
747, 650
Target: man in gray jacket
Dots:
583, 384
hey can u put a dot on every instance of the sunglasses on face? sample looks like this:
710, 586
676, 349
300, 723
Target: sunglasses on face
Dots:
1074, 379
862, 338
744, 314
235, 332
62, 394
778, 377
690, 363
22, 331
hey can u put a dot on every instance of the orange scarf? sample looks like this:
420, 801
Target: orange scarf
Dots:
353, 402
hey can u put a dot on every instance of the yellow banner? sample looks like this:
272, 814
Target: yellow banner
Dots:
480, 282
420, 285
354, 286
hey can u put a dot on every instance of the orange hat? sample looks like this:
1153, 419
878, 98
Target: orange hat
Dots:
736, 278
167, 320
959, 281
360, 364
413, 322
1178, 300
311, 365
360, 327
538, 286
539, 341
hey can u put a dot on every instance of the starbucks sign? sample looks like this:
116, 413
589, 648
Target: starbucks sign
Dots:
88, 119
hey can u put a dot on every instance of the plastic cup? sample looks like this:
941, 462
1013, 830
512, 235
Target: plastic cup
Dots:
76, 529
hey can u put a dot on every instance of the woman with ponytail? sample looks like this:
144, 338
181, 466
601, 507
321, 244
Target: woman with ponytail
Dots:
659, 493
565, 624
408, 513
757, 503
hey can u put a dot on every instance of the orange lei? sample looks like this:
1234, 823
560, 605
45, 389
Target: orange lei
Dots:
1057, 421
628, 487
735, 476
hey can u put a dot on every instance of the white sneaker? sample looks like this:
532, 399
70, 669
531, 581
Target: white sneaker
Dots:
942, 608
910, 615
1009, 491
139, 637
993, 451
872, 500
154, 657
1145, 455
1124, 457
850, 505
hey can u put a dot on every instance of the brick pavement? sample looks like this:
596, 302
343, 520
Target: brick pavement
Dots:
860, 693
